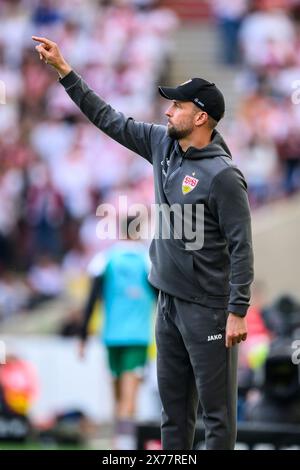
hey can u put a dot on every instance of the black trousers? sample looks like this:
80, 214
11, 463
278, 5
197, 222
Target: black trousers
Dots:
194, 367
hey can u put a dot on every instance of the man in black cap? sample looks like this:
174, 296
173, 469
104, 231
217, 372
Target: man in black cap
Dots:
205, 284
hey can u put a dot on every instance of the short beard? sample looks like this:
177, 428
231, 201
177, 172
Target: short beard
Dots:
178, 134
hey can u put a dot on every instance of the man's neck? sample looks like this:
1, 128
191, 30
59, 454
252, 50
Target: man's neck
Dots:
195, 141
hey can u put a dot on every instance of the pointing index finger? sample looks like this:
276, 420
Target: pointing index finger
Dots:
44, 40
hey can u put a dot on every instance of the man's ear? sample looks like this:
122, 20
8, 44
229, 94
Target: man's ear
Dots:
201, 118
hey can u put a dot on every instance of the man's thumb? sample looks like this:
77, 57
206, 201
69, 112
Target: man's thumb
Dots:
43, 52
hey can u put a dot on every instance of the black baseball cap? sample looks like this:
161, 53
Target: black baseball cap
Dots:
204, 94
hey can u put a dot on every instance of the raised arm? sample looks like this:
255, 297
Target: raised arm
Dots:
139, 137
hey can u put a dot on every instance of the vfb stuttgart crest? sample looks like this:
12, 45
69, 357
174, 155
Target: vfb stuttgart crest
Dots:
188, 184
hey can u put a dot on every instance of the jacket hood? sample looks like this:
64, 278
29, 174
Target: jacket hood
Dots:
216, 148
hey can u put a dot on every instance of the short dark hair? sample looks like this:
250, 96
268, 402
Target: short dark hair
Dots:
211, 122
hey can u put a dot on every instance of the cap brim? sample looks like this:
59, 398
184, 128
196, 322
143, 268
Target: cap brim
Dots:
171, 93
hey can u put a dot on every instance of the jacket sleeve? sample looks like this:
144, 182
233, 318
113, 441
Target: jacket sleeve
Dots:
228, 201
139, 137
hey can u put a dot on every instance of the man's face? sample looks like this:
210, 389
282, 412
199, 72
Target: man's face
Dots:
181, 117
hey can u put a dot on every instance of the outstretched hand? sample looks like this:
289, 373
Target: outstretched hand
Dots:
49, 52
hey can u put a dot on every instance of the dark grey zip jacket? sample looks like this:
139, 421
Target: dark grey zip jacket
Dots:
219, 273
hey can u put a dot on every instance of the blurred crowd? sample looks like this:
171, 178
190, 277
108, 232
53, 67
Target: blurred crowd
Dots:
263, 38
56, 168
